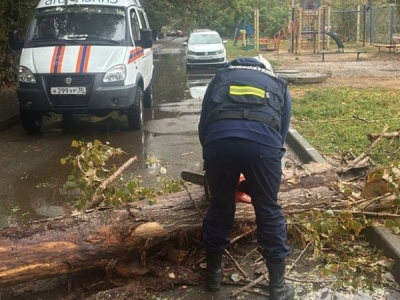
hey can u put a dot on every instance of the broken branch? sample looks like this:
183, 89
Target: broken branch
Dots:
98, 197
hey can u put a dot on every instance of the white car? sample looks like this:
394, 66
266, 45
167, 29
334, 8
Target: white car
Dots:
205, 48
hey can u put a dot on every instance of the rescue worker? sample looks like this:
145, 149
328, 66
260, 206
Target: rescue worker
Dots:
243, 125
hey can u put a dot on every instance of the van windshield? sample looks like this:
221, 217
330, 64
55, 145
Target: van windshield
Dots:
97, 24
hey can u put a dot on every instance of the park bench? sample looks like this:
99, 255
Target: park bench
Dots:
392, 46
387, 46
358, 52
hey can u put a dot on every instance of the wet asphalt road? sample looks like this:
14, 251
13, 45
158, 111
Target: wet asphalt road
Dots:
32, 174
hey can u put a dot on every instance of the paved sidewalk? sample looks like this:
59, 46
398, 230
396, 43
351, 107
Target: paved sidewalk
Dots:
9, 110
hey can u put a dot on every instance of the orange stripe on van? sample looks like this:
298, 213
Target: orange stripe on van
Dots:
83, 59
79, 61
135, 54
86, 60
61, 59
57, 59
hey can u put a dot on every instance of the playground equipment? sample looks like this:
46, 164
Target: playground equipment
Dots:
249, 36
338, 41
243, 32
267, 44
315, 32
308, 30
317, 29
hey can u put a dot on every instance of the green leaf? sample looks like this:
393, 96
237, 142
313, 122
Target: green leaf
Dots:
75, 144
235, 277
389, 223
395, 230
329, 213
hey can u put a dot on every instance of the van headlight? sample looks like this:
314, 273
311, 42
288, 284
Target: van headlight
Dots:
25, 75
220, 51
116, 73
191, 52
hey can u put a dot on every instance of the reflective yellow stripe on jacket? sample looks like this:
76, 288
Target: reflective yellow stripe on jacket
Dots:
243, 90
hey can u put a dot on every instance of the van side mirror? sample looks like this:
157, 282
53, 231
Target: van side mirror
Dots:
14, 41
146, 38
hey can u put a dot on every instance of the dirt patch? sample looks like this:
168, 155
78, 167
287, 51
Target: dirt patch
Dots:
375, 69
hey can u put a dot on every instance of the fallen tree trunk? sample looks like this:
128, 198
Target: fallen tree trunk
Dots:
94, 239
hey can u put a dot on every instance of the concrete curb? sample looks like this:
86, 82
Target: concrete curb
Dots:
379, 237
383, 239
302, 148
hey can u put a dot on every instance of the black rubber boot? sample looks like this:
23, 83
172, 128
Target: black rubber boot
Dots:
278, 289
214, 271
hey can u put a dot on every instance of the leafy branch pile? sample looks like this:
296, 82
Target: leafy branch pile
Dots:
334, 230
338, 240
92, 167
338, 236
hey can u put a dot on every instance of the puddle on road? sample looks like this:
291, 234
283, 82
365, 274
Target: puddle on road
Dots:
169, 136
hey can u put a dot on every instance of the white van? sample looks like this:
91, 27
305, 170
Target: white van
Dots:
85, 57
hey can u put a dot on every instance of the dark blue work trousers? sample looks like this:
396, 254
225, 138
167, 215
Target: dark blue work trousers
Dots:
224, 160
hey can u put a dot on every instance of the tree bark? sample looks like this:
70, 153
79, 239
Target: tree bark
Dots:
94, 239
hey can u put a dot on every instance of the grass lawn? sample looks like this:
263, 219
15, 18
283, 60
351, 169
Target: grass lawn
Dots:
337, 120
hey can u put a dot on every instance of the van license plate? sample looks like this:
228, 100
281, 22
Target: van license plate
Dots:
68, 90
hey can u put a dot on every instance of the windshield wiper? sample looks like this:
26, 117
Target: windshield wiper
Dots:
47, 40
102, 40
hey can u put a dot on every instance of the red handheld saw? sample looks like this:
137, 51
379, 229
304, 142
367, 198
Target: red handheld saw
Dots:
201, 179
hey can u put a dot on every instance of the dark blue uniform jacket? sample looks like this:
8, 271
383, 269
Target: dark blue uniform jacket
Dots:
247, 129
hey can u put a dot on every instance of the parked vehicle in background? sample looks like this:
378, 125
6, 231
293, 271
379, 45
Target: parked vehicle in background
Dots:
177, 33
205, 48
180, 33
85, 57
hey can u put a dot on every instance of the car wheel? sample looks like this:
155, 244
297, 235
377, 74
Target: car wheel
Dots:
135, 113
31, 121
148, 96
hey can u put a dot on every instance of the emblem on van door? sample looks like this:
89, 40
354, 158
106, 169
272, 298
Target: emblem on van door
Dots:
68, 80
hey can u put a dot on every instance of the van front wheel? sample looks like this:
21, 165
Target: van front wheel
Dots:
148, 96
31, 121
135, 113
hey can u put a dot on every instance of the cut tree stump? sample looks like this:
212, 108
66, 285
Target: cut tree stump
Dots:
94, 239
